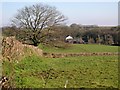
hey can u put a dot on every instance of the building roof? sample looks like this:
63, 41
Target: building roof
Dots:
69, 38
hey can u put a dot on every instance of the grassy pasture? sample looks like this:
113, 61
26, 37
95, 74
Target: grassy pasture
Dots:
76, 48
80, 72
77, 72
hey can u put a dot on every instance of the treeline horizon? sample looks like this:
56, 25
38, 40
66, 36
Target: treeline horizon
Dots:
91, 34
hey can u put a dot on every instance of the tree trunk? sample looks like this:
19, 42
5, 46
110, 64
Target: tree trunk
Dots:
35, 41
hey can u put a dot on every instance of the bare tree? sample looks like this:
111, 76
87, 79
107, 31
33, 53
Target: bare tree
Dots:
37, 17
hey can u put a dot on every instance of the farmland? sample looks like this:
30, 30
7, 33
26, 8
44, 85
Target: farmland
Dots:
41, 47
79, 72
76, 48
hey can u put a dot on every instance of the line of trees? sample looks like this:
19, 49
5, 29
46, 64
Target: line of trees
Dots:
93, 35
99, 35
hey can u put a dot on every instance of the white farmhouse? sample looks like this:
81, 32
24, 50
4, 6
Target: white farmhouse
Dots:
69, 39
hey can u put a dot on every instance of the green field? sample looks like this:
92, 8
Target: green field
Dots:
76, 48
78, 72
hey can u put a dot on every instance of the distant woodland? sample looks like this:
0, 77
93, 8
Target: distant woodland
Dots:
90, 34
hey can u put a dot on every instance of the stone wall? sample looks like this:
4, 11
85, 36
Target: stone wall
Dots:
12, 49
59, 55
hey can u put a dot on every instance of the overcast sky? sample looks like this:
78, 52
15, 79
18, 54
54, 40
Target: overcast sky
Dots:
97, 13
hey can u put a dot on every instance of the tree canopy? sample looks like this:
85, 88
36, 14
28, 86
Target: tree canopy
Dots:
36, 18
